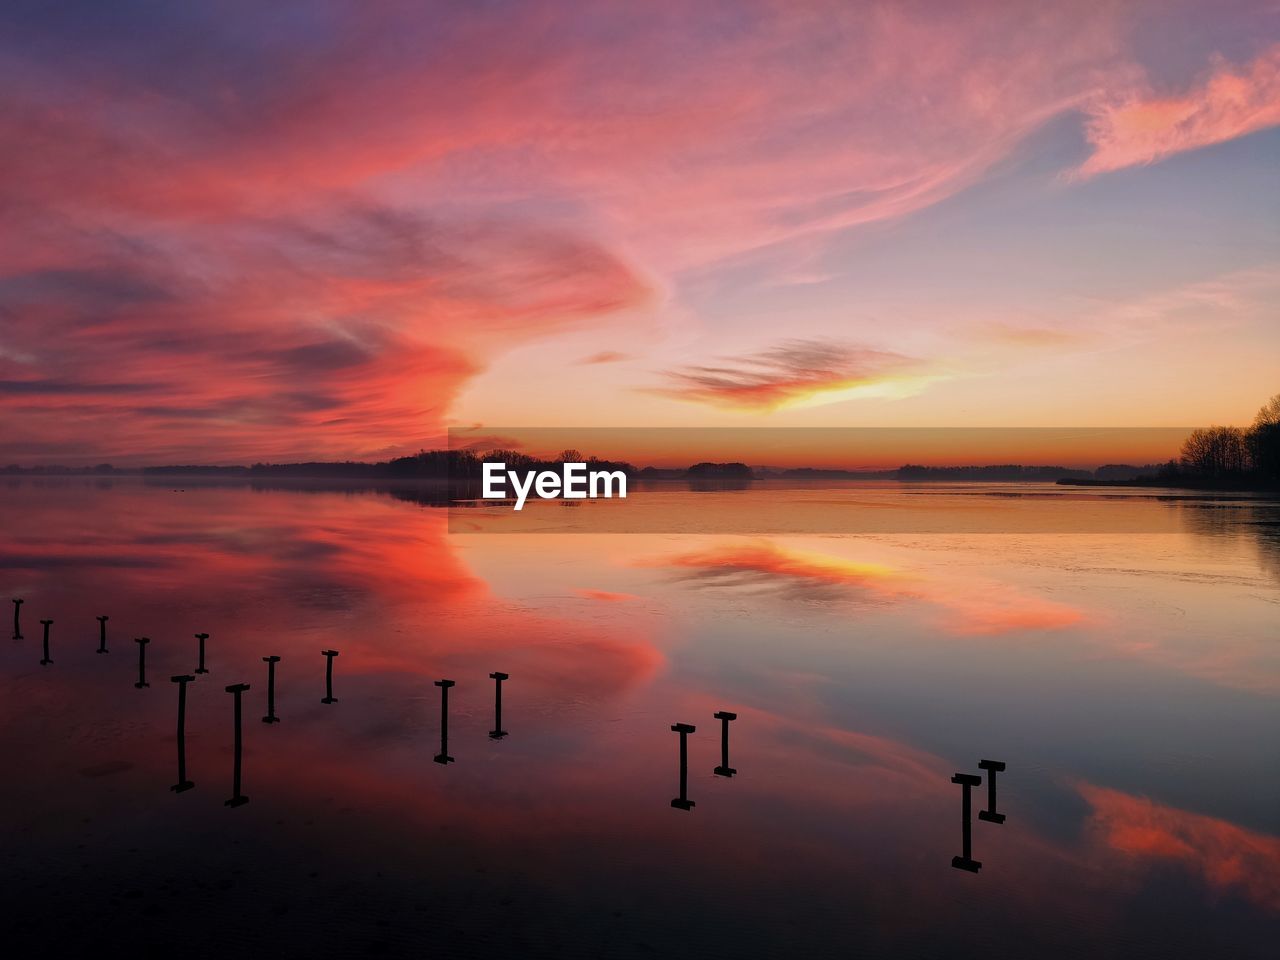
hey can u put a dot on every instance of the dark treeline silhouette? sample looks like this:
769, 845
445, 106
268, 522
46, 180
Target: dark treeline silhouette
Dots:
1232, 456
705, 469
999, 472
828, 473
1223, 458
102, 469
463, 468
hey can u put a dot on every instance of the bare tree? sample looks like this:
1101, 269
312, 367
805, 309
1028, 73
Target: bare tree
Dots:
1264, 441
1216, 451
1268, 413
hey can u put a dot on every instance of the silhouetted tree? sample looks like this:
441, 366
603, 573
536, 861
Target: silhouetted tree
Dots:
1216, 452
1268, 413
1264, 441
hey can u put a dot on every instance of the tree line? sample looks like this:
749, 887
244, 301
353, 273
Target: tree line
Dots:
1233, 455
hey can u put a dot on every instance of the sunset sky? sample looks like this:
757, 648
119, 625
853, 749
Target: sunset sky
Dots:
247, 230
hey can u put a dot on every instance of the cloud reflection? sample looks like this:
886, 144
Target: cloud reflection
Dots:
1229, 858
964, 609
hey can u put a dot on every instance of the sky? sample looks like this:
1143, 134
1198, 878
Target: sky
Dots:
241, 231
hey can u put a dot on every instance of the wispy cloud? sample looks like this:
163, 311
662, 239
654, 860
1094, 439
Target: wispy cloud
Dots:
1145, 127
793, 373
605, 356
1032, 338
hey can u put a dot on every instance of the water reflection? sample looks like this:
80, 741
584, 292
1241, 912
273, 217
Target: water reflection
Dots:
443, 755
965, 861
46, 659
271, 689
683, 802
200, 639
723, 769
328, 676
237, 799
142, 661
1114, 675
990, 814
497, 733
182, 783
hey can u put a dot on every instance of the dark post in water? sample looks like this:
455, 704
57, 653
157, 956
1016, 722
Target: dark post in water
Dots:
965, 861
142, 661
202, 637
271, 689
183, 783
17, 627
102, 635
47, 659
724, 770
497, 733
992, 767
238, 799
328, 676
443, 755
683, 802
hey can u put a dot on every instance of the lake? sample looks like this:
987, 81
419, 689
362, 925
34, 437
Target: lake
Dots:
1117, 651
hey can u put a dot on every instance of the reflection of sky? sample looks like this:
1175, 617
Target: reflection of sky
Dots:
1114, 675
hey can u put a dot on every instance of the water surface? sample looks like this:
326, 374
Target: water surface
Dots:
1128, 675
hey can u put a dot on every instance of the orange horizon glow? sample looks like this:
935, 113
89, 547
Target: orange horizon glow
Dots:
834, 448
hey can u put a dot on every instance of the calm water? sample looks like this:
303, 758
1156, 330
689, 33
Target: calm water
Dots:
1129, 677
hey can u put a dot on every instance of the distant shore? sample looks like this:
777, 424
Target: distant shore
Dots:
456, 466
1180, 483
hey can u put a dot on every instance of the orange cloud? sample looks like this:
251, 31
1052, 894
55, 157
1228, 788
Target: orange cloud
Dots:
1145, 128
1230, 858
793, 373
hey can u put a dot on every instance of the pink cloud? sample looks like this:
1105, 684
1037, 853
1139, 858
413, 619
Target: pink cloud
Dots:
346, 333
314, 239
1144, 127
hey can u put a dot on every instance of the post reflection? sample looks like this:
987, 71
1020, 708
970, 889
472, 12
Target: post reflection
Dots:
443, 755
